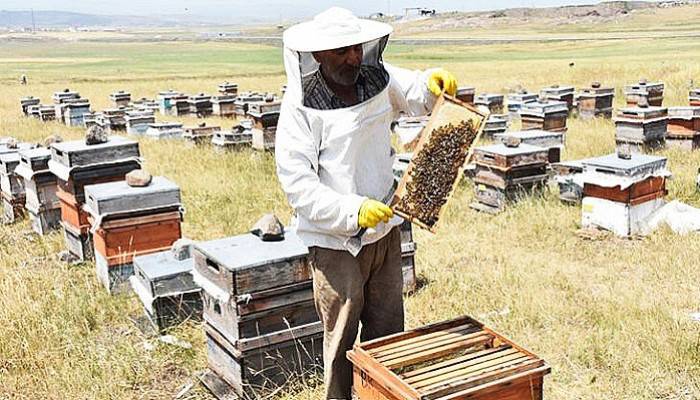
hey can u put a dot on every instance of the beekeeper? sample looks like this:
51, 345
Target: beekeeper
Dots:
334, 162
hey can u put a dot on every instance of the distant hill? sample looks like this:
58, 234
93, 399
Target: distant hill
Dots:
64, 19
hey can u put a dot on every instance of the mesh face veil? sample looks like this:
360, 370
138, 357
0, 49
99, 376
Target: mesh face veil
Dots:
371, 80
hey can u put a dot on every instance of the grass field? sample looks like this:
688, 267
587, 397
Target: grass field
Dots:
611, 316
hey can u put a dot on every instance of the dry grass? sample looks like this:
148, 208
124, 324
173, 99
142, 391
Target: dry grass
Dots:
610, 316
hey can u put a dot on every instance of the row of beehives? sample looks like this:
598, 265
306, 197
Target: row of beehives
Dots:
254, 295
551, 107
260, 114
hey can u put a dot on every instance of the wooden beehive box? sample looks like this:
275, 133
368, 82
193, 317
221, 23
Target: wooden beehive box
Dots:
595, 101
60, 97
653, 92
683, 122
554, 141
457, 360
233, 139
260, 371
504, 158
165, 130
10, 183
491, 102
694, 97
228, 88
224, 105
559, 93
412, 189
244, 100
166, 288
47, 112
137, 122
548, 115
643, 171
642, 124
26, 102
516, 101
200, 133
120, 98
466, 94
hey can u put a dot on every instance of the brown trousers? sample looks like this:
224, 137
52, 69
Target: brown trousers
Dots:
349, 290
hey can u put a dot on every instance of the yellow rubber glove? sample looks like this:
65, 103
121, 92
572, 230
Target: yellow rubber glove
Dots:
441, 80
372, 212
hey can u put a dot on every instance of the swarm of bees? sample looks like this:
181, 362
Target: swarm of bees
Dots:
435, 169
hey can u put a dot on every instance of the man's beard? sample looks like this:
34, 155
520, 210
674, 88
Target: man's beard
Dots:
345, 76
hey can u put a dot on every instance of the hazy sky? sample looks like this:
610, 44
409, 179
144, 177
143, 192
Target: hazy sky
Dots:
268, 9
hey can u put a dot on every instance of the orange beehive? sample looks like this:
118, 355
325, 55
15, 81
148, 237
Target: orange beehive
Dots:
456, 360
119, 240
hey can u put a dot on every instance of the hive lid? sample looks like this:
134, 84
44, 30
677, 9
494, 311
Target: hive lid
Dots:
21, 146
464, 90
522, 97
248, 251
488, 98
76, 146
684, 112
637, 165
63, 95
596, 90
556, 90
162, 265
694, 93
503, 150
544, 107
165, 125
118, 197
223, 98
8, 159
644, 87
641, 113
535, 134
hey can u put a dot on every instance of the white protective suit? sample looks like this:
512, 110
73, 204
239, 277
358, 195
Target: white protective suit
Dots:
330, 161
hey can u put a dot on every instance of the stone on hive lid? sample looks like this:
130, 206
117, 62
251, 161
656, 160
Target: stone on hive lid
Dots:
512, 141
12, 143
51, 140
138, 178
96, 135
268, 228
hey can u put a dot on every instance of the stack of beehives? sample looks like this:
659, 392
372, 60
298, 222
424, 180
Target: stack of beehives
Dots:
546, 115
244, 99
497, 122
11, 187
516, 101
559, 93
228, 88
651, 92
238, 137
77, 164
120, 98
113, 119
131, 218
74, 111
224, 105
165, 130
466, 94
200, 105
641, 128
260, 321
200, 134
683, 128
595, 101
46, 112
622, 191
59, 101
506, 171
552, 141
27, 102
265, 115
143, 105
40, 187
167, 100
694, 97
137, 122
163, 282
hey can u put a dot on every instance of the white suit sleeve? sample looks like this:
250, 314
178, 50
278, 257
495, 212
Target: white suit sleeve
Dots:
296, 155
409, 91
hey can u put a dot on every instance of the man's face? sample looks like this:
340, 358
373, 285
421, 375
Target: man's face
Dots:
341, 65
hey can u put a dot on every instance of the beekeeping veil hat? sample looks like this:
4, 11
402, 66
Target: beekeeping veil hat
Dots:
332, 29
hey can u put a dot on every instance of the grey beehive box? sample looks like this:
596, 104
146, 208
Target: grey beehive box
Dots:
76, 153
119, 197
